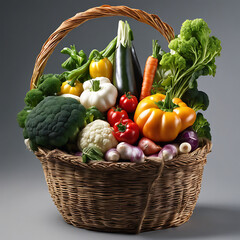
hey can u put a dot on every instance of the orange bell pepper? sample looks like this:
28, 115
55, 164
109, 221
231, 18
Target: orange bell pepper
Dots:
159, 124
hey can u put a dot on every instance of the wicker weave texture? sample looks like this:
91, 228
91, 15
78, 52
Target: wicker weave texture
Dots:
124, 197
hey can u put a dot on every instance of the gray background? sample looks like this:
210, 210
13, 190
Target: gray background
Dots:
26, 209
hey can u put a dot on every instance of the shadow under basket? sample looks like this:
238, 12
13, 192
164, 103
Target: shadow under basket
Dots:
119, 197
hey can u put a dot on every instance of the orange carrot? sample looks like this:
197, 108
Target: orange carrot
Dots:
150, 71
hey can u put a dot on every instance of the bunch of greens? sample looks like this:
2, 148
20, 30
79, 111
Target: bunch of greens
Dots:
192, 54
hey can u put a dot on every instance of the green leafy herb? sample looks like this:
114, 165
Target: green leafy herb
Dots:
92, 153
202, 127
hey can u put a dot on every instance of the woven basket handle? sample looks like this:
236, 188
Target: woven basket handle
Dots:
96, 12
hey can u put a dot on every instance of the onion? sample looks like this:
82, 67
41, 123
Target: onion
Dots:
148, 146
168, 152
112, 155
189, 136
129, 152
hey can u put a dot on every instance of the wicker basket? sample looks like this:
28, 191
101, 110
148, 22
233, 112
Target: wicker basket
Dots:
120, 197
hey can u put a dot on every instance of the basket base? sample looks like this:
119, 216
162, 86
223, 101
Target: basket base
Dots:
129, 231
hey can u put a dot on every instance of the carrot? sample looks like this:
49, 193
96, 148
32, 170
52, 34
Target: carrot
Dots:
150, 71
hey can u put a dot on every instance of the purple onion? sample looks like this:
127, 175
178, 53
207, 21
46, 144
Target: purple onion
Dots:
130, 152
168, 152
189, 136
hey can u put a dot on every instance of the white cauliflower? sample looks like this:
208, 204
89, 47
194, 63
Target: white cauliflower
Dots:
97, 133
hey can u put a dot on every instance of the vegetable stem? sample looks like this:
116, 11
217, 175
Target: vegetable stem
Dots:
95, 85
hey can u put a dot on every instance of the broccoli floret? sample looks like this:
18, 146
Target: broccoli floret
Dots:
61, 77
195, 28
33, 97
54, 121
93, 114
50, 86
175, 62
22, 116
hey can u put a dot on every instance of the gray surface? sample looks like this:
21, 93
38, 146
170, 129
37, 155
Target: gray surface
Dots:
26, 209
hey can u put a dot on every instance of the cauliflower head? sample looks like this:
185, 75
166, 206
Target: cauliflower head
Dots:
97, 133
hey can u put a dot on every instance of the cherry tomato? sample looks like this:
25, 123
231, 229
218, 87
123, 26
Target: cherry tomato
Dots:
128, 102
116, 114
126, 131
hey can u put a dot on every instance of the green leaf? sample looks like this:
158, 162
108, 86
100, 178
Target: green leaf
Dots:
202, 127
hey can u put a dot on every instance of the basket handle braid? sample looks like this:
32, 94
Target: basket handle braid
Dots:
92, 13
150, 187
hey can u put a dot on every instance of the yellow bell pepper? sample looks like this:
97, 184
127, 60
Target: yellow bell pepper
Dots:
101, 68
162, 125
76, 89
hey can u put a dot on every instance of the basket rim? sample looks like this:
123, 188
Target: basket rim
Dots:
181, 160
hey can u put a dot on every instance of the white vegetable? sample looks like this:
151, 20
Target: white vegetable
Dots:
112, 155
185, 147
97, 133
129, 152
168, 152
71, 96
102, 97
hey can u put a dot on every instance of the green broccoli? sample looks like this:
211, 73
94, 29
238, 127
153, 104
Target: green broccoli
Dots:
22, 116
92, 114
50, 86
175, 62
33, 97
61, 77
193, 54
54, 121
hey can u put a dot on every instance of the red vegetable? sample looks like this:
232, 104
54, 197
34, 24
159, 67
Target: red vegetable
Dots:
148, 146
126, 131
128, 102
115, 115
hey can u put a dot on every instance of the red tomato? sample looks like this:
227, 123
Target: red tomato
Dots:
126, 131
128, 102
115, 115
